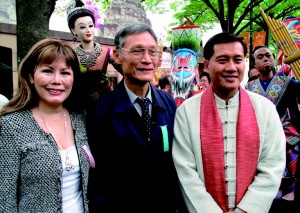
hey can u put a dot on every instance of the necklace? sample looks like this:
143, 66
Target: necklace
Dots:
88, 58
68, 162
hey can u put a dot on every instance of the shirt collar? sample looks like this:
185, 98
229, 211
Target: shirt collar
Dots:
133, 96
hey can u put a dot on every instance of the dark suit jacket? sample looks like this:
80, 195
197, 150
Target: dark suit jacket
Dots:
132, 175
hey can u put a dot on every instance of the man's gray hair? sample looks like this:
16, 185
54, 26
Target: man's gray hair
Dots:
131, 30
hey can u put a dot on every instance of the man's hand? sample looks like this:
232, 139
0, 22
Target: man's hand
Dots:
236, 210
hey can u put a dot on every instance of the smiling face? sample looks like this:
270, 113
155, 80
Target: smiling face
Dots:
53, 83
84, 29
226, 68
137, 71
204, 81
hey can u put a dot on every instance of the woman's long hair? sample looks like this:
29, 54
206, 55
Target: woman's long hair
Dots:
45, 51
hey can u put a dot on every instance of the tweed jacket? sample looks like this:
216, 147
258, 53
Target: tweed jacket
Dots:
187, 154
30, 164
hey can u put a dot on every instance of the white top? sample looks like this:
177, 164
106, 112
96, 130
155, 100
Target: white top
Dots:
187, 154
229, 116
3, 100
72, 200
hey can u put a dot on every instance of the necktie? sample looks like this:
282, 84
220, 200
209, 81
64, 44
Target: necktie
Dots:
144, 103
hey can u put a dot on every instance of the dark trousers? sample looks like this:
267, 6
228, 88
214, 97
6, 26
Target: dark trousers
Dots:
284, 206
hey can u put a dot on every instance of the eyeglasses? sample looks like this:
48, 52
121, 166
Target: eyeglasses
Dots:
139, 53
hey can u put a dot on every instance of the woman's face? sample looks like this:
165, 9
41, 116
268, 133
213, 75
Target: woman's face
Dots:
204, 81
53, 82
84, 28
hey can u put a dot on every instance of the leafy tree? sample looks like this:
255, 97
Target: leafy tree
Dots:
232, 15
32, 23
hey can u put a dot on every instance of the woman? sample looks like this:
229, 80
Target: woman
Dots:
93, 57
44, 154
204, 80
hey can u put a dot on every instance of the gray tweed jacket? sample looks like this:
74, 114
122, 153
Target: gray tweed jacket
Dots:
30, 165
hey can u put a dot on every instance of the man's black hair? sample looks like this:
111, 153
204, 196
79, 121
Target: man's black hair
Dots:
222, 38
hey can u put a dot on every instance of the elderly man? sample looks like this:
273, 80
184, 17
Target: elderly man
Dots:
134, 168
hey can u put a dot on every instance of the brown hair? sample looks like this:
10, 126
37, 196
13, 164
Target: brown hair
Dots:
45, 51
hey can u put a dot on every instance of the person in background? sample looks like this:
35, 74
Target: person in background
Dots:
135, 171
224, 165
253, 74
284, 92
44, 152
3, 100
93, 57
204, 81
164, 83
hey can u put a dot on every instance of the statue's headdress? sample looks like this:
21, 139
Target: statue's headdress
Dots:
75, 10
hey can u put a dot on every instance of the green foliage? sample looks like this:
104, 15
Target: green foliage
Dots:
61, 6
156, 6
105, 3
234, 16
